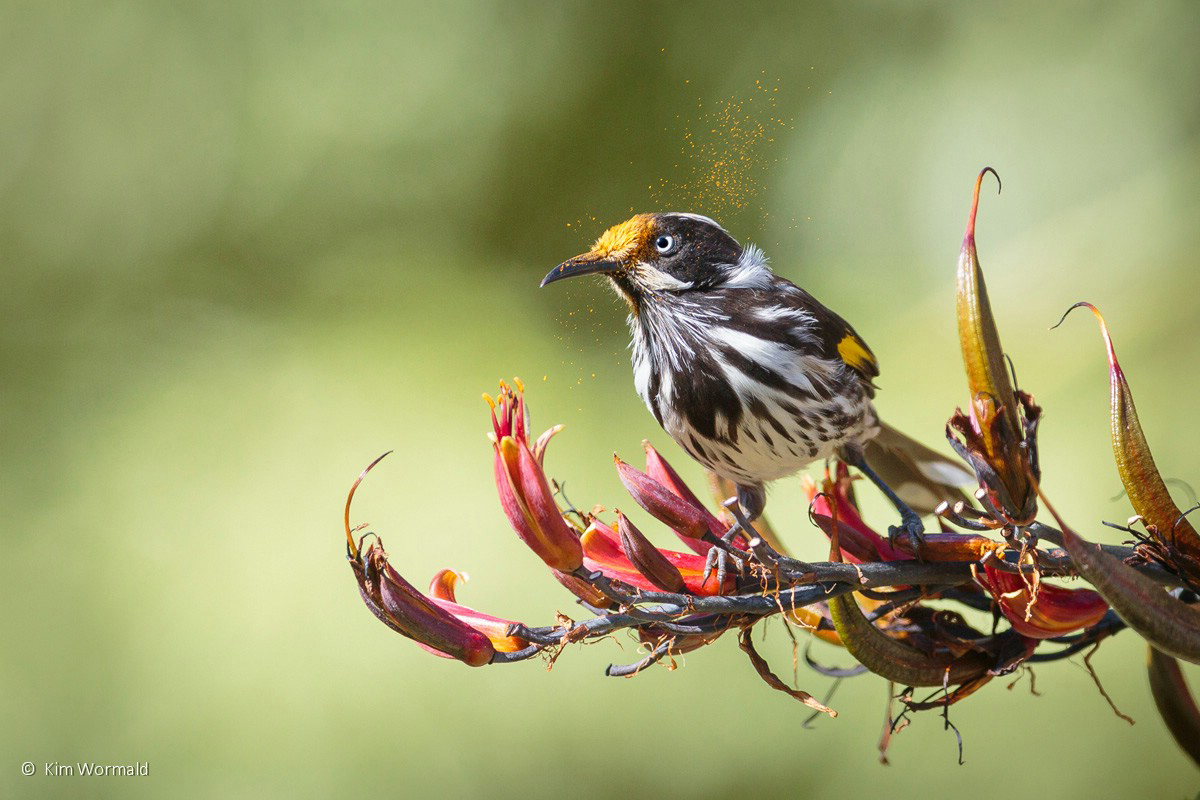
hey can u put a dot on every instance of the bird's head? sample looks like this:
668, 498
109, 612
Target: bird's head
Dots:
653, 254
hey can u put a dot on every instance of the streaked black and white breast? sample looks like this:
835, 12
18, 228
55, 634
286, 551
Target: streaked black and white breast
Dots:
750, 375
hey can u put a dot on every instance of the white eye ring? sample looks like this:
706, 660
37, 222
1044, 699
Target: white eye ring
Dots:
664, 243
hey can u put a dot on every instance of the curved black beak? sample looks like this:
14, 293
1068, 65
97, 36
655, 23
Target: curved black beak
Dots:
585, 264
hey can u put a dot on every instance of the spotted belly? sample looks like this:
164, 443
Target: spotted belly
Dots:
770, 442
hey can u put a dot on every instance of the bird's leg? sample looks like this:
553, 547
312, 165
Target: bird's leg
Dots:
752, 499
910, 521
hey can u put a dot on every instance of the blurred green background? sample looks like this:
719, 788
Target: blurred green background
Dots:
247, 248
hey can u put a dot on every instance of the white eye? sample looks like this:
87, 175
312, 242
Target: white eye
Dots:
664, 244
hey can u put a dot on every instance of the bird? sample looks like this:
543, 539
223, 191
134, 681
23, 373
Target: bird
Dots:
749, 373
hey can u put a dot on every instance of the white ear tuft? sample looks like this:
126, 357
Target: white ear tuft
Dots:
750, 271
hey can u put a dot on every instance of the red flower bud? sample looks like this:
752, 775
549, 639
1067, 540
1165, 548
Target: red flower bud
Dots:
658, 469
647, 558
686, 517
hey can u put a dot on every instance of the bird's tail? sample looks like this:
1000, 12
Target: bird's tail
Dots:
923, 477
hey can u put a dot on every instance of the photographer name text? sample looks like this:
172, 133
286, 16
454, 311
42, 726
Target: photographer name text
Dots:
57, 769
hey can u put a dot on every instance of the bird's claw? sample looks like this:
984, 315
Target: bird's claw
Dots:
911, 530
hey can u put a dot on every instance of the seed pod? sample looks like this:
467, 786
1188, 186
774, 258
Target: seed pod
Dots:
1169, 624
896, 660
997, 440
1143, 482
1175, 703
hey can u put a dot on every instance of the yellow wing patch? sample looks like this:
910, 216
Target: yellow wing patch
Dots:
855, 353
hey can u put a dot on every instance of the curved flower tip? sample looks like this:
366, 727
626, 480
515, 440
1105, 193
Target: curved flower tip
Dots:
543, 441
396, 603
353, 548
523, 487
442, 593
1143, 483
443, 584
998, 430
970, 235
1045, 611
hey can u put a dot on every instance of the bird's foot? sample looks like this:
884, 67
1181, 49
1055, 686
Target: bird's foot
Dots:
909, 534
718, 558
